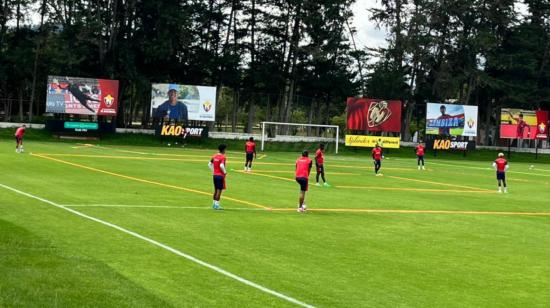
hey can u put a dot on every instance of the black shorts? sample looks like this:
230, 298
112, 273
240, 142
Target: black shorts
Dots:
501, 176
420, 157
18, 139
219, 182
303, 183
320, 168
249, 156
377, 163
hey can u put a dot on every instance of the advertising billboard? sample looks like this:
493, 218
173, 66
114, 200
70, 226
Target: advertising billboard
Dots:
373, 115
180, 103
451, 120
174, 130
86, 96
371, 141
450, 145
523, 124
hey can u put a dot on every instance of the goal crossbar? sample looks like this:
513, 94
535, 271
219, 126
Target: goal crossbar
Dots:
300, 124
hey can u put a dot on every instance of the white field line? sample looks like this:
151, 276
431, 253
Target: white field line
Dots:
488, 168
166, 247
162, 207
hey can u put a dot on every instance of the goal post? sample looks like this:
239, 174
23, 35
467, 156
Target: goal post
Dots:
305, 125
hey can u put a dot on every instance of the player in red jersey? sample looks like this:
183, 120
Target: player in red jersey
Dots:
420, 155
19, 133
377, 157
320, 165
218, 166
250, 149
303, 169
501, 166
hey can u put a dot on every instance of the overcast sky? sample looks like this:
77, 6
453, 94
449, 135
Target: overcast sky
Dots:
367, 33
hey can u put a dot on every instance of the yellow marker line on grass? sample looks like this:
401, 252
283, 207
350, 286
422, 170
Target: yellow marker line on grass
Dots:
292, 172
437, 183
369, 168
417, 189
148, 181
262, 156
267, 176
422, 212
330, 210
206, 158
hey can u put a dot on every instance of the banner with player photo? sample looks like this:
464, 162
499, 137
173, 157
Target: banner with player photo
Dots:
523, 124
173, 130
180, 103
450, 145
86, 96
372, 141
374, 115
451, 120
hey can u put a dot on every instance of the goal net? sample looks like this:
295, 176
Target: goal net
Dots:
308, 135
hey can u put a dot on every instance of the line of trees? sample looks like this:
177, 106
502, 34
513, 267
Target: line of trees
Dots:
280, 60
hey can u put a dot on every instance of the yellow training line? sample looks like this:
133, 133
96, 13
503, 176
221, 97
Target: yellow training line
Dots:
267, 176
292, 172
148, 181
422, 212
262, 156
417, 189
437, 183
205, 158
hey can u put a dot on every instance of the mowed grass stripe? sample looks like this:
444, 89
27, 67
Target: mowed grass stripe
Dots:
148, 181
335, 210
166, 247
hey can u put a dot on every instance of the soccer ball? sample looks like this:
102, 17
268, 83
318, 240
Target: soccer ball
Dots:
304, 207
169, 144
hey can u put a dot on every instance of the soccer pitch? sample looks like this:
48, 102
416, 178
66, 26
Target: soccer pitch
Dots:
119, 226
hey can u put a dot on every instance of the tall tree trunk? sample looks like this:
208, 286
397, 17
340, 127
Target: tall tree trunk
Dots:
234, 111
39, 44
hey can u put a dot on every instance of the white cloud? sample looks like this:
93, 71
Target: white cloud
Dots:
367, 33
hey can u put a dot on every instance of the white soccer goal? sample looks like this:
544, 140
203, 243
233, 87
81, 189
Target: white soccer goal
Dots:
302, 133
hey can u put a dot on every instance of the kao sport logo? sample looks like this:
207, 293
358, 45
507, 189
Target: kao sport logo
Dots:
207, 106
378, 113
178, 130
441, 144
109, 100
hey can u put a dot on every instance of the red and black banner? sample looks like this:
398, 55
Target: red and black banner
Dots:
374, 115
542, 124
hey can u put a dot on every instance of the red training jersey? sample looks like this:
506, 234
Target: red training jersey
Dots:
377, 153
521, 127
217, 160
319, 157
250, 147
303, 167
20, 132
420, 150
501, 164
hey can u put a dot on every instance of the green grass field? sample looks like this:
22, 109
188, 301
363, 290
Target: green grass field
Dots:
118, 226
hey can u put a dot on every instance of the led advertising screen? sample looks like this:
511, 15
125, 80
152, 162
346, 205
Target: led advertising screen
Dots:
86, 96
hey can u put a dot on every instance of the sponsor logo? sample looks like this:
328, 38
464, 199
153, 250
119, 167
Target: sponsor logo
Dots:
542, 128
207, 106
176, 130
109, 100
378, 113
471, 122
450, 145
371, 141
